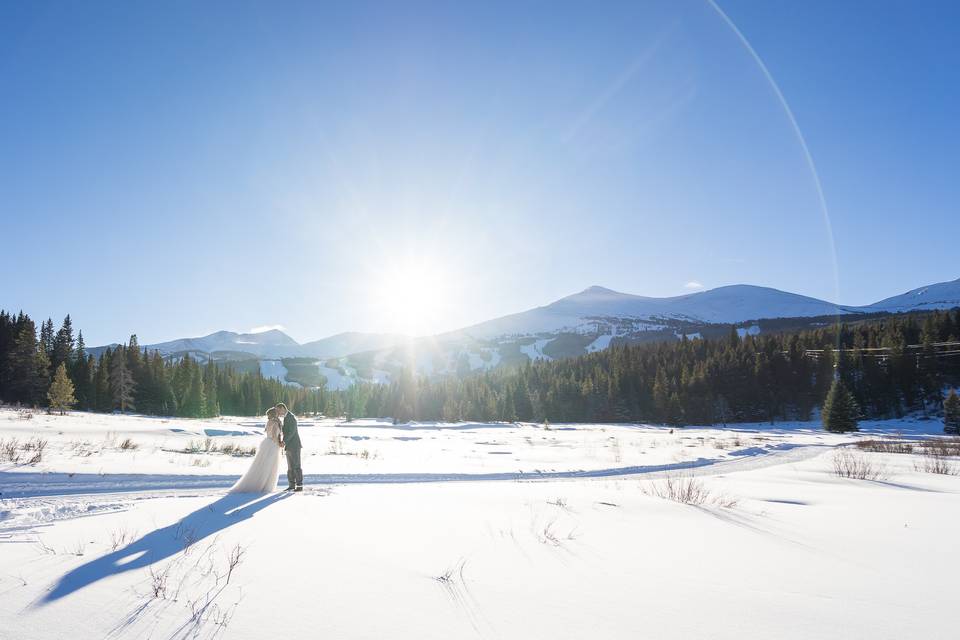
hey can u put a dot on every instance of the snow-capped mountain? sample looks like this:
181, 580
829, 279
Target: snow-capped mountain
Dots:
595, 306
344, 344
588, 321
943, 295
265, 343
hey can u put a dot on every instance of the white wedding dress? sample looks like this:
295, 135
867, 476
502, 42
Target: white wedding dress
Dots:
262, 475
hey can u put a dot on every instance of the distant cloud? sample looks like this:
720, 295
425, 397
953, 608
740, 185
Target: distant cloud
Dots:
693, 284
268, 327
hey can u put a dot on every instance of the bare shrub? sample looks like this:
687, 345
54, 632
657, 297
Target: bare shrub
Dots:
931, 462
193, 447
187, 535
452, 573
685, 490
689, 490
560, 502
121, 538
10, 450
35, 444
234, 560
944, 447
885, 446
160, 582
13, 450
726, 501
548, 535
208, 445
128, 445
852, 464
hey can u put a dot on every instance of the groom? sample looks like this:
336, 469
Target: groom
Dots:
292, 446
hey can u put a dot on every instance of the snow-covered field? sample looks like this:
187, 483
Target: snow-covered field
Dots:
123, 530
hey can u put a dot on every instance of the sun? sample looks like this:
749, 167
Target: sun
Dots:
415, 294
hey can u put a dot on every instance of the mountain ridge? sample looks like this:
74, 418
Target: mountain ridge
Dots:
582, 322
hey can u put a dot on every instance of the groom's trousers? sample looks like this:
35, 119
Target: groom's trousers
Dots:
294, 471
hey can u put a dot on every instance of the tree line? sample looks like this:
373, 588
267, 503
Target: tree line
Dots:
52, 368
891, 366
766, 377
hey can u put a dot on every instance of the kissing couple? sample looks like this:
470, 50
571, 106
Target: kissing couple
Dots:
280, 436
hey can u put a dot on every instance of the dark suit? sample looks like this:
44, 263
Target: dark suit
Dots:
292, 446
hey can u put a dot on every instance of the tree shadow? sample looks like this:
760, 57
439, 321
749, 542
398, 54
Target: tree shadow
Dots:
166, 542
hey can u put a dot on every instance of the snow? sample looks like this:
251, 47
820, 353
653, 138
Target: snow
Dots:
541, 533
335, 379
752, 330
275, 369
601, 343
731, 304
534, 351
943, 295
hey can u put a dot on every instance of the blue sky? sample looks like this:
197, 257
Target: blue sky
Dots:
175, 169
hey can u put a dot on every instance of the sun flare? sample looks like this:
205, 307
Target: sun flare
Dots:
415, 294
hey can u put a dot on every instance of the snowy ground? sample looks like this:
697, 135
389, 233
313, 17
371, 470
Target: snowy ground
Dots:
471, 530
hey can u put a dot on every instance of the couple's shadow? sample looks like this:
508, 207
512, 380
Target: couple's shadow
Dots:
168, 541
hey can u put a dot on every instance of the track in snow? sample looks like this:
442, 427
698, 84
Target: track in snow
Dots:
25, 485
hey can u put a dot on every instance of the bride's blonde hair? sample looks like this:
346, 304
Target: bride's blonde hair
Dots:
272, 413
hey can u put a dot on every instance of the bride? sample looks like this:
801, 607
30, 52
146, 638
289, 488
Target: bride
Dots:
261, 477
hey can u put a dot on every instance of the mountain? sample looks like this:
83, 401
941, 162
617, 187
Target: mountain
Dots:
261, 344
344, 344
597, 305
943, 295
591, 320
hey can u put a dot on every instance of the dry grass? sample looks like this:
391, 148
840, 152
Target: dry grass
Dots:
945, 447
936, 455
853, 464
893, 445
31, 451
10, 450
689, 490
121, 538
933, 463
209, 445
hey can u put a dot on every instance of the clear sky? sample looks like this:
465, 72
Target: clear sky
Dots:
171, 169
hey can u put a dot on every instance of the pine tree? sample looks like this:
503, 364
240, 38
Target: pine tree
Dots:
81, 350
46, 336
194, 405
27, 371
212, 402
62, 345
840, 410
41, 380
122, 385
951, 413
102, 399
60, 393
